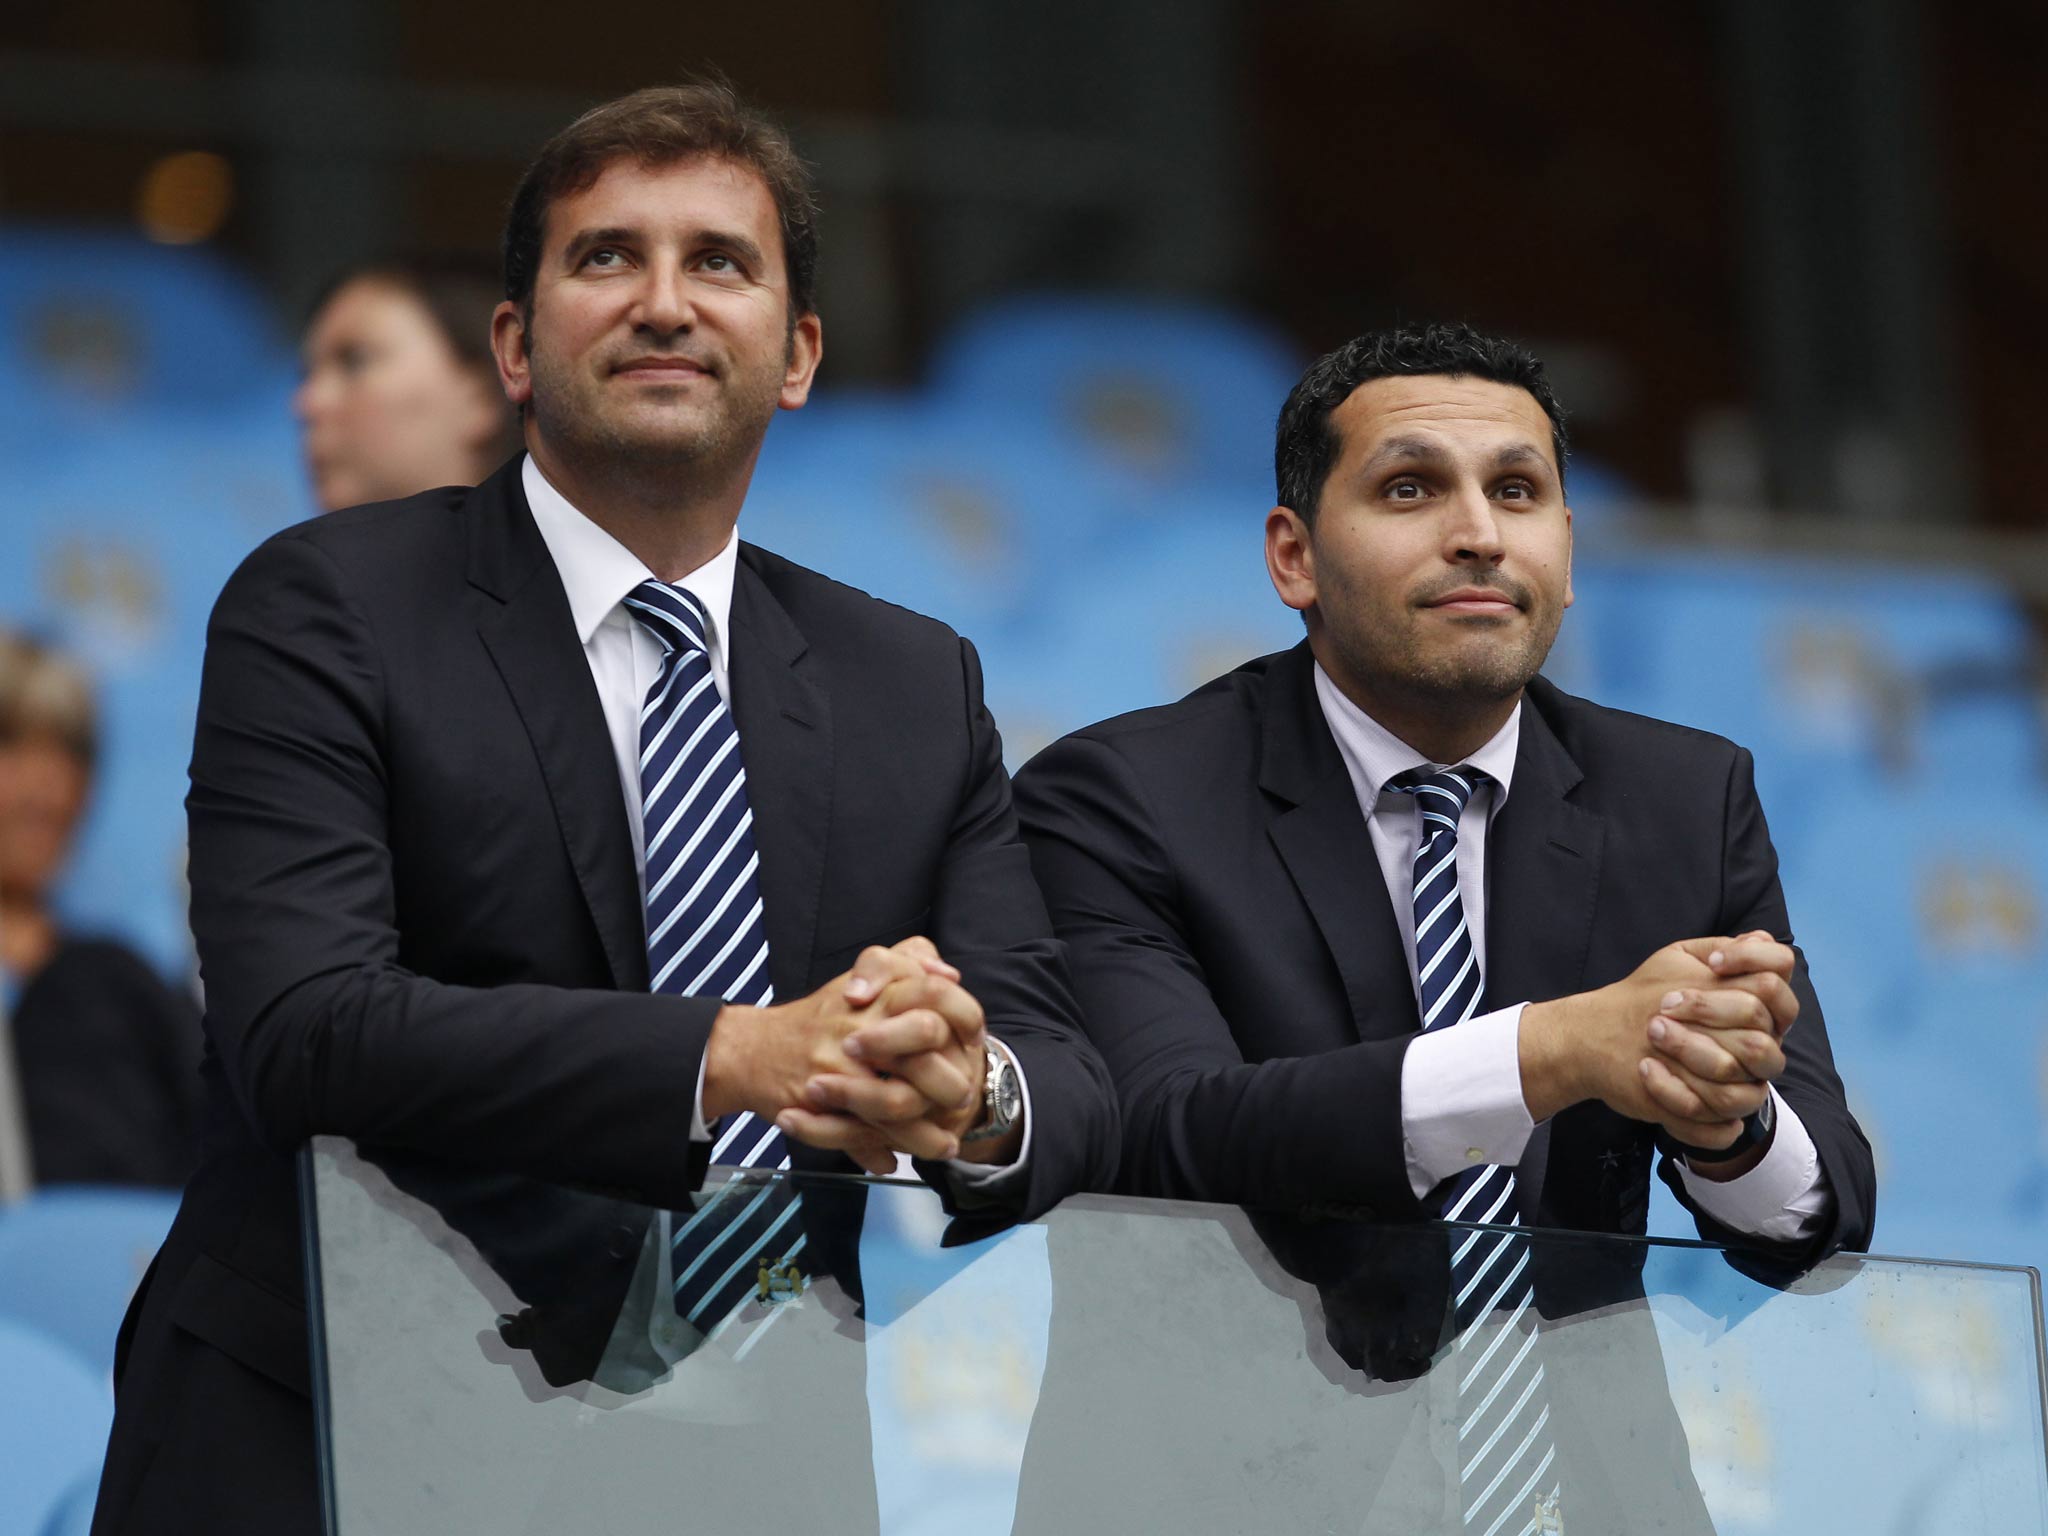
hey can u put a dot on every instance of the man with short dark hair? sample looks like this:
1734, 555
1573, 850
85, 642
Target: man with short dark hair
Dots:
545, 828
1389, 924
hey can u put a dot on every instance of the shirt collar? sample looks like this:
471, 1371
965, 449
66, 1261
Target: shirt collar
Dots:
1373, 754
598, 571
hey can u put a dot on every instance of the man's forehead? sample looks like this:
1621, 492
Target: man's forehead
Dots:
1452, 408
628, 191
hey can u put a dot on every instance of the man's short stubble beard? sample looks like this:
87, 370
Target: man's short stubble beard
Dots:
1383, 660
658, 467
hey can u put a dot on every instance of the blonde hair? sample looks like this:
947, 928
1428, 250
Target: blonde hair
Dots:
46, 696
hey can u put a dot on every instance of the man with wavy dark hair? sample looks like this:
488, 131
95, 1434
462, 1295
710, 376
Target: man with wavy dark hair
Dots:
547, 829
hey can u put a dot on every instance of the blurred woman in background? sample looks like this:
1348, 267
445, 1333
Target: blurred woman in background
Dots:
401, 393
106, 1055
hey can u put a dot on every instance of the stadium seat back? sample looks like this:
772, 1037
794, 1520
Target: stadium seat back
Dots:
92, 321
70, 1259
1171, 392
1821, 669
1923, 912
55, 1412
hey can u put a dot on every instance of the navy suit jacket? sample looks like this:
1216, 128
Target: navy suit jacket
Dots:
1237, 957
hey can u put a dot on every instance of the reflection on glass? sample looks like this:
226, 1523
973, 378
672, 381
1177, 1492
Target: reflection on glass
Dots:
507, 1356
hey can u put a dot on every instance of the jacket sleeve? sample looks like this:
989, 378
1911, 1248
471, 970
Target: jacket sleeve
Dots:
989, 919
1752, 898
318, 1025
1199, 1121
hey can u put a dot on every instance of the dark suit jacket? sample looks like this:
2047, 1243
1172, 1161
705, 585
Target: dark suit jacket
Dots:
1236, 954
109, 1061
419, 925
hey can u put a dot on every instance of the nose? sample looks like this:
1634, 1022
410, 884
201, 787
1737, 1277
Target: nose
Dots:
1472, 526
665, 307
305, 399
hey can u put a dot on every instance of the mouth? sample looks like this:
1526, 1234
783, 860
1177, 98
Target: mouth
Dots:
1475, 602
661, 370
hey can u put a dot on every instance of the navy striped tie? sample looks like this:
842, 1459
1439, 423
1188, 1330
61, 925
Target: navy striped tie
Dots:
705, 935
1507, 1476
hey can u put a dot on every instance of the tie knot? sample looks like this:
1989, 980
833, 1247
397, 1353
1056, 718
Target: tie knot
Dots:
1441, 795
673, 615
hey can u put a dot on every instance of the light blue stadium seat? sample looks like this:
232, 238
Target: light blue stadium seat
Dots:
1161, 391
70, 1258
1153, 617
1923, 911
955, 514
94, 320
54, 1415
1992, 726
71, 1514
1820, 668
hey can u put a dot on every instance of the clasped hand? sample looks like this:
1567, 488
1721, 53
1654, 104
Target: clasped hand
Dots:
886, 1057
1691, 1040
1716, 1042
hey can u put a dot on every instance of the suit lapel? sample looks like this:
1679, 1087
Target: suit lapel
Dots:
526, 626
1320, 834
785, 726
1543, 856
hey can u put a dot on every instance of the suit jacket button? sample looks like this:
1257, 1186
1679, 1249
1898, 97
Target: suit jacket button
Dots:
623, 1244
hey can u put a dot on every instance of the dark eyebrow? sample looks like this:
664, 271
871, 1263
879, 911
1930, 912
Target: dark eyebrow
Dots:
1515, 455
1403, 450
587, 239
738, 245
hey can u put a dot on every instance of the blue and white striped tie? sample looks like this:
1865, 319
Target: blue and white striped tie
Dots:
705, 935
1507, 1476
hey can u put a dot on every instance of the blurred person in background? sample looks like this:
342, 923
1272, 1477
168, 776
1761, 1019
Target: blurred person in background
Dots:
107, 1055
401, 391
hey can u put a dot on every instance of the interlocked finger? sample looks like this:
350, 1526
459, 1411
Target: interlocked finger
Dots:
838, 1133
1718, 1053
1680, 1094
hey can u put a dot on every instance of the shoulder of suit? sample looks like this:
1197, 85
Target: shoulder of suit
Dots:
382, 530
815, 599
1586, 729
386, 556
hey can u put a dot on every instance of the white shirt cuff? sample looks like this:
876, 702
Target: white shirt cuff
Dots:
1785, 1197
1461, 1099
699, 1131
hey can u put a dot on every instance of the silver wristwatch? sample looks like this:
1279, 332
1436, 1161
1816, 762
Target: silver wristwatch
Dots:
1002, 1099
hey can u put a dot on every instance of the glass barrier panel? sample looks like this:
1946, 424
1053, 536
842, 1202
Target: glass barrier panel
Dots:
821, 1353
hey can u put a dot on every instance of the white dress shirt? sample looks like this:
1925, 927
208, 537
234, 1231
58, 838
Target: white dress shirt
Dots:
597, 573
1461, 1087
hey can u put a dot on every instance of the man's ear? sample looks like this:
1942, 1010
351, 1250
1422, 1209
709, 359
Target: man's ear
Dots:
1290, 558
806, 351
508, 346
1569, 597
